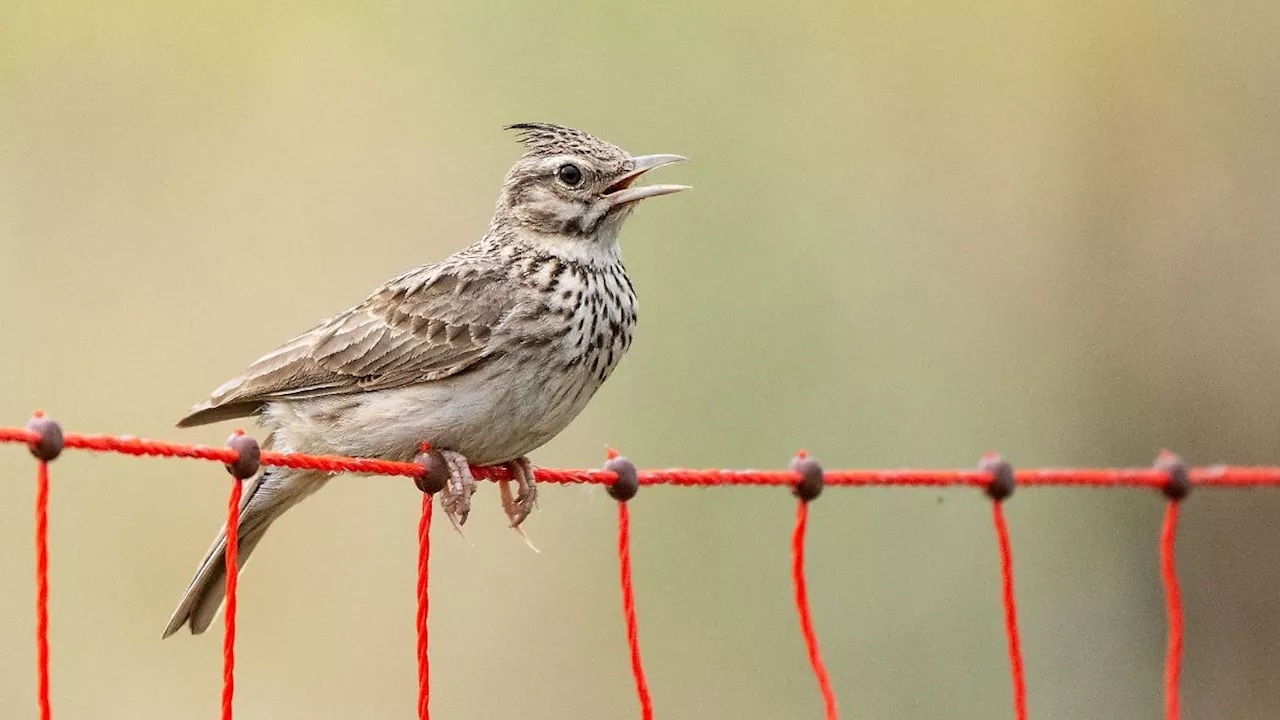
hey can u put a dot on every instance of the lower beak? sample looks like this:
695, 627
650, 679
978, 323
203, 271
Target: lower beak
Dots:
621, 192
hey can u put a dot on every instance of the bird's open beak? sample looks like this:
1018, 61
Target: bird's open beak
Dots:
621, 192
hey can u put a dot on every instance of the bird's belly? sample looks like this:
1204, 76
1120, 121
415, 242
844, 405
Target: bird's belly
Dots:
491, 415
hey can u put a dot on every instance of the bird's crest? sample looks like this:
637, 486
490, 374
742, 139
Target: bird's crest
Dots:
549, 139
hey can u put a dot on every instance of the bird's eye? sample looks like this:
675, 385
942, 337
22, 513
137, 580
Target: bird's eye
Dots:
569, 174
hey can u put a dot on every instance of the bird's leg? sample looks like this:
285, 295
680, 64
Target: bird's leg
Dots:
456, 498
519, 507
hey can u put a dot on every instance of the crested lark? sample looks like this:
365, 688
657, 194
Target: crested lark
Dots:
486, 355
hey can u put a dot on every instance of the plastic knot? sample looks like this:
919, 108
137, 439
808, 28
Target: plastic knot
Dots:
1178, 486
1003, 479
48, 444
628, 482
811, 480
248, 456
435, 474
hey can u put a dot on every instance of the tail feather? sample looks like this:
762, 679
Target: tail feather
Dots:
276, 490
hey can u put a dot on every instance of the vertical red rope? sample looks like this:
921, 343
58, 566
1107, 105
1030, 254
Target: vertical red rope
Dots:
1010, 612
629, 611
424, 664
42, 588
802, 606
233, 572
1173, 597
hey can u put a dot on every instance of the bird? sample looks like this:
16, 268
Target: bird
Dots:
485, 355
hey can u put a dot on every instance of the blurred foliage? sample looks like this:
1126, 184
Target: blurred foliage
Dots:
919, 231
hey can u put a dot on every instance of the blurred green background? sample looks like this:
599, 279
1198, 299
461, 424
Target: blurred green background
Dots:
919, 231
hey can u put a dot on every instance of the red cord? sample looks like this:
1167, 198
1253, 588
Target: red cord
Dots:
1173, 596
42, 587
802, 605
424, 664
1011, 612
629, 611
1218, 475
233, 572
1215, 476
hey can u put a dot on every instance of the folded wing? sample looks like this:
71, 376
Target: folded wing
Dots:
428, 324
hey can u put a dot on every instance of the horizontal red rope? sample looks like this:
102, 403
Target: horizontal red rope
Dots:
1214, 476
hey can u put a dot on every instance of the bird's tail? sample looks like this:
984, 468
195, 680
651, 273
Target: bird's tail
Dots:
275, 491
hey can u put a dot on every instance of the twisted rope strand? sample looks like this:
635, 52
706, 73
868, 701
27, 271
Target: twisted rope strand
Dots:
1010, 611
42, 588
629, 611
233, 572
1222, 476
1173, 598
802, 607
1214, 476
424, 661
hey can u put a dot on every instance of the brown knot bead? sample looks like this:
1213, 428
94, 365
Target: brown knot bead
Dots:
1003, 479
248, 456
1178, 486
628, 482
436, 473
49, 438
811, 480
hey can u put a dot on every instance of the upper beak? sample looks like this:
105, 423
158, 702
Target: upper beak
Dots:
621, 192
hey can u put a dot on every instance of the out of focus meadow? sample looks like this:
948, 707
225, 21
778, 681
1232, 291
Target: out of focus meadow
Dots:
918, 232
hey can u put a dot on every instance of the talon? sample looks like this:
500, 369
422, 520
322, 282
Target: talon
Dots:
508, 503
456, 498
519, 507
520, 531
448, 504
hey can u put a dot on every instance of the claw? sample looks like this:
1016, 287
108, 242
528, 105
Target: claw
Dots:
519, 507
456, 498
519, 530
453, 520
508, 504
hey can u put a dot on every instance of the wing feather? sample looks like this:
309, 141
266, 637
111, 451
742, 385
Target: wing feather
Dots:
428, 324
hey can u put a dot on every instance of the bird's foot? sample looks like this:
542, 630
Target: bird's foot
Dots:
518, 507
456, 498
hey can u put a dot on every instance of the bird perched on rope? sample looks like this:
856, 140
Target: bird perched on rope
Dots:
485, 355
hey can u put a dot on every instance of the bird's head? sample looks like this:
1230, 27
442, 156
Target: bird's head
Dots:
571, 187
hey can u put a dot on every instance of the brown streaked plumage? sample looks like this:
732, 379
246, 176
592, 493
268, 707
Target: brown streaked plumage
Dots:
425, 325
486, 355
